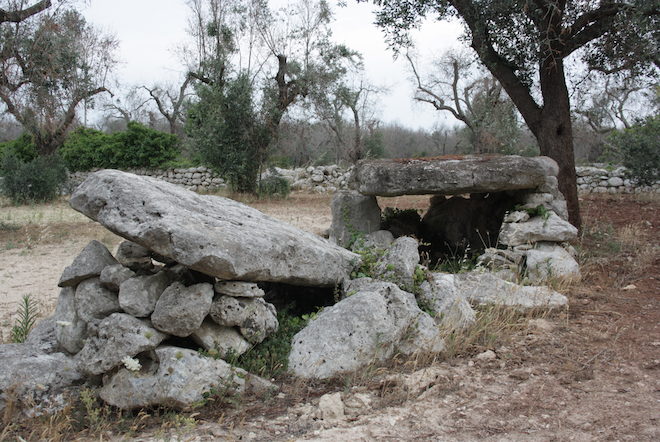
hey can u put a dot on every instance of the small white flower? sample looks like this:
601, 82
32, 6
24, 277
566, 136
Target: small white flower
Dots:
131, 364
63, 323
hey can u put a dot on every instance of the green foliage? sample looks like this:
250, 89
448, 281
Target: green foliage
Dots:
639, 150
274, 185
270, 358
539, 210
28, 311
41, 179
52, 63
139, 146
225, 132
23, 147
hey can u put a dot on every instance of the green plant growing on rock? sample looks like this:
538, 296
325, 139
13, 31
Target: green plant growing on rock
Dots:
269, 358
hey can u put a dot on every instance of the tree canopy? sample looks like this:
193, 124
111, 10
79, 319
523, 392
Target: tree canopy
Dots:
49, 64
525, 45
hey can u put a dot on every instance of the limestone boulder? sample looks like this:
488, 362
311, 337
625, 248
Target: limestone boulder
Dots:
353, 213
210, 234
89, 263
424, 336
112, 276
119, 335
483, 287
379, 240
224, 340
70, 330
399, 262
440, 295
255, 318
43, 336
365, 326
539, 228
95, 302
178, 378
551, 261
27, 373
180, 310
449, 175
138, 295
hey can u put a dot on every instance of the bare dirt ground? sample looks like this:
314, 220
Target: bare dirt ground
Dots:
591, 373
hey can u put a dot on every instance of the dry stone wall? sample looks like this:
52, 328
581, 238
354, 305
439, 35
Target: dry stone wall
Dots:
592, 179
319, 179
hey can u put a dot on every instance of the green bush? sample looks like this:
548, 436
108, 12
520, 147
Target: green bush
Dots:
86, 149
139, 146
639, 150
39, 180
23, 147
226, 133
274, 185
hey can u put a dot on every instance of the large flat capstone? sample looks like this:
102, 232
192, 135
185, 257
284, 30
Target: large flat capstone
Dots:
211, 234
450, 175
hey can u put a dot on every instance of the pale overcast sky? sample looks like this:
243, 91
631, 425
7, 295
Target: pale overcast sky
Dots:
149, 29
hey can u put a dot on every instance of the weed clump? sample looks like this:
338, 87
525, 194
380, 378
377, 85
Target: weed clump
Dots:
28, 312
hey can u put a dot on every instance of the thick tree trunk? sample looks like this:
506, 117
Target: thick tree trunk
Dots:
555, 133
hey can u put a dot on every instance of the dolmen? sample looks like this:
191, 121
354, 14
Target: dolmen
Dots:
191, 275
508, 208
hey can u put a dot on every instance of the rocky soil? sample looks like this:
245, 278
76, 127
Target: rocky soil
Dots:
589, 373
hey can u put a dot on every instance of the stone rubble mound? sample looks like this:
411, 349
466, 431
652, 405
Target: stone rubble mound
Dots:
123, 334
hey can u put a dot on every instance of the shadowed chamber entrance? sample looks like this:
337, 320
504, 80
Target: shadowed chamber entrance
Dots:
454, 226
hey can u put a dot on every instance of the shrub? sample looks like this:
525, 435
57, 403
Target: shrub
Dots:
23, 147
226, 133
39, 180
274, 185
639, 150
85, 149
139, 146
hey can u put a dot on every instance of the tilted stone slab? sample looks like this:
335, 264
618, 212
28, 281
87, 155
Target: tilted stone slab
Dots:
441, 296
210, 234
450, 175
